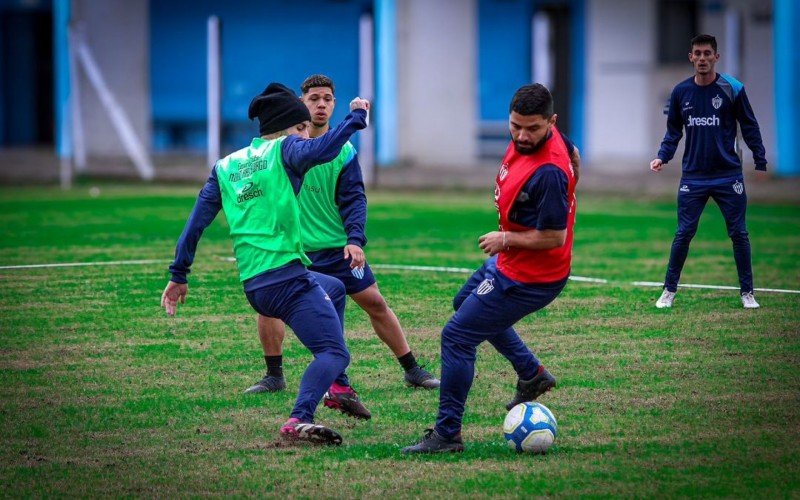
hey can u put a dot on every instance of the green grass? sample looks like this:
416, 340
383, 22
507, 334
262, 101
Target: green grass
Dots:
102, 394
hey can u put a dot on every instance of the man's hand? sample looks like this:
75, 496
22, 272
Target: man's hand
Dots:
359, 103
356, 254
575, 161
173, 293
656, 165
493, 243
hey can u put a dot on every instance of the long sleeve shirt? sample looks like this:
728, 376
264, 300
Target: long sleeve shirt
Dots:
299, 156
351, 200
709, 114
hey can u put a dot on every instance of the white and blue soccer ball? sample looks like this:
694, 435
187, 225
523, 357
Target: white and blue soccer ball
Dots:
530, 427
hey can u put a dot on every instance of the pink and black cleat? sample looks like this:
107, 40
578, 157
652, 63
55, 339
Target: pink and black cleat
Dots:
295, 430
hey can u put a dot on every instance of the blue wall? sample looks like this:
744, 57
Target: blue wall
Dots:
262, 41
504, 54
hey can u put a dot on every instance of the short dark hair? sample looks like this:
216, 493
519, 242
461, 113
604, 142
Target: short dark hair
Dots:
317, 81
532, 99
705, 40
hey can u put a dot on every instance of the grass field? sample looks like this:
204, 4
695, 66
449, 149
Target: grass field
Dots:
104, 395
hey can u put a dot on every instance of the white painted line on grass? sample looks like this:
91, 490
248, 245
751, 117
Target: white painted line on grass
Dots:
401, 267
583, 279
713, 287
79, 264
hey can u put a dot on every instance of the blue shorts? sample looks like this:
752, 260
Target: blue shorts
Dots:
331, 262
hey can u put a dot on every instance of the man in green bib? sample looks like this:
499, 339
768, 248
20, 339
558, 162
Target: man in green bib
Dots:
257, 189
333, 212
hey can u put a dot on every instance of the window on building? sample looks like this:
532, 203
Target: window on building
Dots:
677, 24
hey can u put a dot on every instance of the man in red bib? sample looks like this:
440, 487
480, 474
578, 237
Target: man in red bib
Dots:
528, 265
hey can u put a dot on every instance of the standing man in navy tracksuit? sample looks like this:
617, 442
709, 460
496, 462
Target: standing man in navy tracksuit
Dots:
709, 105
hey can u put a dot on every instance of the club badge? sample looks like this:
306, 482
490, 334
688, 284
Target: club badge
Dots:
485, 287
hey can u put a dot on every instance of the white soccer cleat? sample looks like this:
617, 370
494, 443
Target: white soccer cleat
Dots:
749, 301
666, 299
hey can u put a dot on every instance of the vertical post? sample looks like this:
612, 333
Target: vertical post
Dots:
61, 17
75, 35
214, 91
578, 29
366, 89
542, 57
386, 98
733, 50
787, 86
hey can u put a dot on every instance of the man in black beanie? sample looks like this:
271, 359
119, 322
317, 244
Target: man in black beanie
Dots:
257, 188
277, 108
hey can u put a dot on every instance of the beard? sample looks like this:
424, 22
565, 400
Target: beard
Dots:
527, 148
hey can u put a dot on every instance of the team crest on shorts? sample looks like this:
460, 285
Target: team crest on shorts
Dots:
358, 272
485, 287
684, 189
716, 101
738, 187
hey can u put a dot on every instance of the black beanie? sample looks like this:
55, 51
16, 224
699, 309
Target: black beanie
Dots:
277, 108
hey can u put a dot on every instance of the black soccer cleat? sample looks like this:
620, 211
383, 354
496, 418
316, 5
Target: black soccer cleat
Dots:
269, 383
294, 430
528, 390
347, 402
433, 442
419, 377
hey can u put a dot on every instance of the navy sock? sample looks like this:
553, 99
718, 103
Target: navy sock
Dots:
407, 361
274, 365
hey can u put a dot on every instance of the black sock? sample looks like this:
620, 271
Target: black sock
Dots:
274, 365
407, 361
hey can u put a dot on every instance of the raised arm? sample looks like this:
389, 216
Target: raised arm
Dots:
300, 155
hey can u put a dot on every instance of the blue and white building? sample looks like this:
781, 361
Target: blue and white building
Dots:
439, 72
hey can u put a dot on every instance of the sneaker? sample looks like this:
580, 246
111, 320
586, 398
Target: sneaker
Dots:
749, 301
419, 377
666, 299
528, 390
346, 401
295, 430
433, 442
269, 383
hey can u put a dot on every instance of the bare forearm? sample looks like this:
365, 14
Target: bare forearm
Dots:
499, 241
575, 160
535, 239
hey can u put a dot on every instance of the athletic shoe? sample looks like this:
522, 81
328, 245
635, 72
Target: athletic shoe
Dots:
666, 299
419, 377
295, 430
346, 400
269, 383
749, 301
528, 390
433, 442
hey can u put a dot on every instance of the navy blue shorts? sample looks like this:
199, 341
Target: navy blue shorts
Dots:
331, 262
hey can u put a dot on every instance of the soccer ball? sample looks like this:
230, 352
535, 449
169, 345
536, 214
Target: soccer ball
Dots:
530, 427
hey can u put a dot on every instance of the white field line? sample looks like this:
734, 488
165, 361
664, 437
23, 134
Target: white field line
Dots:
440, 269
81, 264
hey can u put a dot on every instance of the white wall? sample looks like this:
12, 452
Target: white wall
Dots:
437, 75
620, 47
118, 36
627, 88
